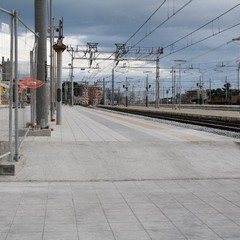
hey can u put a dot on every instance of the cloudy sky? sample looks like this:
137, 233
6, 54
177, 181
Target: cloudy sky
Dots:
198, 32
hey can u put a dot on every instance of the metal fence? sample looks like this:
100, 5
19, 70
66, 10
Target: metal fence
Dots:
18, 44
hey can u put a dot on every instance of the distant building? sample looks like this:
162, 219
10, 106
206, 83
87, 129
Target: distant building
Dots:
6, 69
198, 96
95, 95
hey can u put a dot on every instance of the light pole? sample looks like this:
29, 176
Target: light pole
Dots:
237, 39
126, 89
59, 47
72, 87
147, 87
113, 86
167, 91
173, 87
238, 69
180, 62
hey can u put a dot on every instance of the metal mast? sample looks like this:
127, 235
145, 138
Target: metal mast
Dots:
41, 93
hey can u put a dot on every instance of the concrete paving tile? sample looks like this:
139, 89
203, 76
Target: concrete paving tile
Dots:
66, 207
132, 235
93, 227
101, 235
68, 219
199, 208
60, 236
5, 206
139, 206
114, 206
59, 212
32, 201
6, 219
113, 212
27, 207
214, 220
233, 214
228, 231
28, 220
151, 217
4, 227
198, 232
189, 223
26, 228
88, 211
60, 227
24, 236
118, 217
205, 238
179, 215
166, 234
90, 218
3, 236
125, 226
157, 226
7, 213
30, 213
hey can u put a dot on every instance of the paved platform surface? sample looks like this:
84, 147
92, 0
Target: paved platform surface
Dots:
103, 176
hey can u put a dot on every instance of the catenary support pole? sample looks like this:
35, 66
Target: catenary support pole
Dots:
52, 105
41, 93
104, 92
59, 47
16, 155
11, 91
157, 81
113, 87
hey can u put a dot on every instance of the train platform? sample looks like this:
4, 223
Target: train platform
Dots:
107, 176
224, 113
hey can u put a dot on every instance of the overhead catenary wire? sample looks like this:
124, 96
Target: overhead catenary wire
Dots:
201, 40
149, 18
206, 24
161, 24
146, 21
198, 29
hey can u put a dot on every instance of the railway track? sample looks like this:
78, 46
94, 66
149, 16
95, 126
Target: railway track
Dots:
206, 121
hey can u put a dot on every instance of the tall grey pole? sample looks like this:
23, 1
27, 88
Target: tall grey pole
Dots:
59, 47
59, 88
238, 69
180, 87
113, 87
147, 91
72, 85
16, 156
32, 90
157, 82
52, 107
104, 92
173, 88
41, 92
210, 86
180, 61
126, 91
11, 91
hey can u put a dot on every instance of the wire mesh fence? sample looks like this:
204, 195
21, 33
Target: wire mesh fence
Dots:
17, 51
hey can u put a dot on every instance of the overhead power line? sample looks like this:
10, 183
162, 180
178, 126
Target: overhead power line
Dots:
160, 25
206, 24
198, 29
201, 40
146, 21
